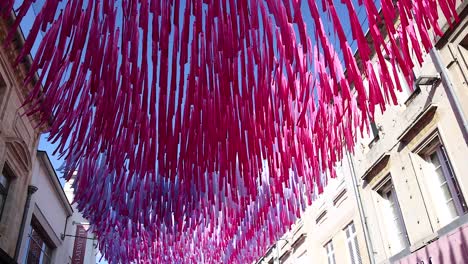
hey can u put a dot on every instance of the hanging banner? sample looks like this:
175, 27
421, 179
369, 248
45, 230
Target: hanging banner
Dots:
79, 248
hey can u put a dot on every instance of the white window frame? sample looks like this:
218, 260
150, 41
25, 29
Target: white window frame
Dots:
353, 244
436, 147
330, 252
383, 192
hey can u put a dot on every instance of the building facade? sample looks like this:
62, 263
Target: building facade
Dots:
55, 232
37, 222
412, 169
19, 138
47, 221
329, 231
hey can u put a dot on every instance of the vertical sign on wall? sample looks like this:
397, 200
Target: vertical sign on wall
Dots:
80, 245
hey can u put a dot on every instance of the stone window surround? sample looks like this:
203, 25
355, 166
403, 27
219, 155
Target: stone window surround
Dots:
430, 141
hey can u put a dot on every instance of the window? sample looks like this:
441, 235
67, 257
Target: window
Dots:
39, 250
3, 87
330, 253
374, 133
321, 218
285, 258
374, 129
4, 185
463, 49
447, 197
393, 220
353, 246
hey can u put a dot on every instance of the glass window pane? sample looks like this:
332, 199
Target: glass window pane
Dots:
393, 223
453, 180
38, 250
442, 192
401, 240
394, 212
452, 209
358, 253
330, 253
351, 252
4, 184
435, 159
440, 175
446, 192
352, 242
2, 202
3, 181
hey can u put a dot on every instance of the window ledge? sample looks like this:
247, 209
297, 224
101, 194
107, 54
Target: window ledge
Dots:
298, 240
321, 217
377, 165
450, 227
423, 242
285, 255
340, 197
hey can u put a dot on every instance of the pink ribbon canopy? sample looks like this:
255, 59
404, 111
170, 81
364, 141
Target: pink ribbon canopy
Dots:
201, 129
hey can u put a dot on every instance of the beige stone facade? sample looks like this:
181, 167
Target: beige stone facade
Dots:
330, 228
412, 170
18, 139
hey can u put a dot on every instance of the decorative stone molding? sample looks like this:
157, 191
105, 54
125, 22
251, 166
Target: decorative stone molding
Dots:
20, 71
18, 156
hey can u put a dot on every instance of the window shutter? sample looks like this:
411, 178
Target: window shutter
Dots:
421, 171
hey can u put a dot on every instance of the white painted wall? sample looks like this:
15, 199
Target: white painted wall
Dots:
47, 205
48, 200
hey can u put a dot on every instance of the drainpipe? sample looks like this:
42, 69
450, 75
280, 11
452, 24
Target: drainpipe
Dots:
362, 215
65, 228
31, 189
455, 102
